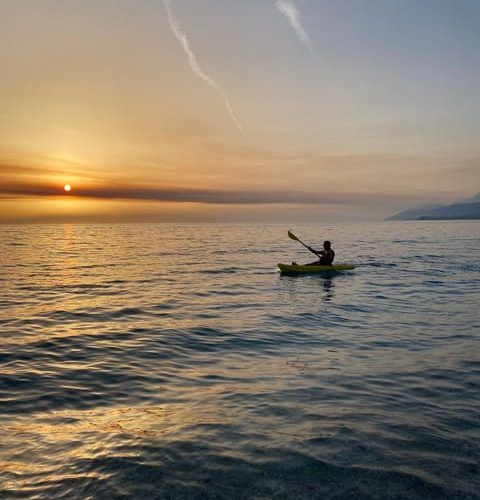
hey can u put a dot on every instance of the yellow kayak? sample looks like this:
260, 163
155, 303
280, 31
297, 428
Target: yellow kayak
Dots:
295, 268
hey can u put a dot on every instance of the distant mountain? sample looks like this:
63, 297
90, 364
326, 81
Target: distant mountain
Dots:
473, 199
467, 209
413, 214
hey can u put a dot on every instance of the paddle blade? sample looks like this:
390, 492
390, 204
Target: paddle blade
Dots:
292, 236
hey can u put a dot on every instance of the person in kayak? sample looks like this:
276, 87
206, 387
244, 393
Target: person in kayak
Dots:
326, 256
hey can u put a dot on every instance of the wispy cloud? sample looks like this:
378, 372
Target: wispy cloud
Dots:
192, 59
289, 9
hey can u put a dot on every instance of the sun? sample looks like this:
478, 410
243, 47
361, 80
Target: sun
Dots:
67, 187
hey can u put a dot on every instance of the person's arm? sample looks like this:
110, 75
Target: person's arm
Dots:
318, 254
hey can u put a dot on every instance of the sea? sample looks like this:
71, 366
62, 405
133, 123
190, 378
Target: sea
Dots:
174, 361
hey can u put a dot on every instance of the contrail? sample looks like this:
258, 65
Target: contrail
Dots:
192, 59
290, 11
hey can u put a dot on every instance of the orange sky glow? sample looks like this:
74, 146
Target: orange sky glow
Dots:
167, 111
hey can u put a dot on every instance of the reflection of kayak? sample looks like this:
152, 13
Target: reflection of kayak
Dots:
292, 268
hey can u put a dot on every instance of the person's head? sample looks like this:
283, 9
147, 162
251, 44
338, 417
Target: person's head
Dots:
326, 245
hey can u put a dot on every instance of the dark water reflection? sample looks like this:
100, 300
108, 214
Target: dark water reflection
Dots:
160, 361
329, 289
327, 282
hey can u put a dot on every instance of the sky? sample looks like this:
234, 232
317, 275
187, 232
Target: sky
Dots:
236, 110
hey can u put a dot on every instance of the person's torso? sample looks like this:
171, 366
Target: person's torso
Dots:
328, 257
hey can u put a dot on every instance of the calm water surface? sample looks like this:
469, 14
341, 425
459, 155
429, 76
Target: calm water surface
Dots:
173, 361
